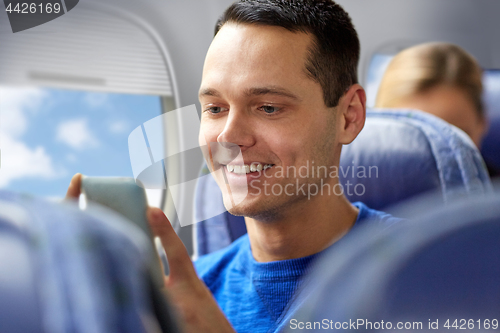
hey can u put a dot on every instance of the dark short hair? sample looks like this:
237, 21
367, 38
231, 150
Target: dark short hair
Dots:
334, 55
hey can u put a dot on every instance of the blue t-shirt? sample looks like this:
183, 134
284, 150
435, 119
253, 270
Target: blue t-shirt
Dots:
255, 296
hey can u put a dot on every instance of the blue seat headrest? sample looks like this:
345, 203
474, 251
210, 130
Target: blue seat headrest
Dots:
442, 265
71, 271
403, 153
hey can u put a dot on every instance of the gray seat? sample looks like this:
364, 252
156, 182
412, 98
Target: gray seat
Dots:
444, 264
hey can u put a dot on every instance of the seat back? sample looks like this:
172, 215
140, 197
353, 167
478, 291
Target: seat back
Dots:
71, 271
398, 155
404, 153
443, 265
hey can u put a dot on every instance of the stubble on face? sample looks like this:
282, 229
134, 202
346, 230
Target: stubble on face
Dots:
274, 206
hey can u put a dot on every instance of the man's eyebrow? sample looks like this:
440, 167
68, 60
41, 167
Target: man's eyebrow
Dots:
271, 91
208, 92
254, 92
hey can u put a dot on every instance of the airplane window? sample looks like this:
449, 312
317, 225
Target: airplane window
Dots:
491, 81
491, 142
376, 70
47, 135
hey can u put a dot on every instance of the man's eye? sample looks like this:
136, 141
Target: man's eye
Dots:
214, 109
269, 109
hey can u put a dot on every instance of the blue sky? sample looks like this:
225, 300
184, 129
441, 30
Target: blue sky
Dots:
47, 135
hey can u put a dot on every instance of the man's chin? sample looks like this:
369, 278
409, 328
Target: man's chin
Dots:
235, 208
244, 211
242, 207
258, 208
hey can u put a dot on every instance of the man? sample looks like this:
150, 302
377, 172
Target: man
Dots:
279, 81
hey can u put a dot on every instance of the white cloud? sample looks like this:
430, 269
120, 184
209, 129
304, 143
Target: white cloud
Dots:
14, 104
97, 100
76, 134
120, 126
19, 161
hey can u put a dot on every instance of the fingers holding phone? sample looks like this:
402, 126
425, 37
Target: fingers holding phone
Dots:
124, 196
74, 188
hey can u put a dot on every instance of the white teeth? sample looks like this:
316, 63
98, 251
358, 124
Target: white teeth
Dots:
243, 169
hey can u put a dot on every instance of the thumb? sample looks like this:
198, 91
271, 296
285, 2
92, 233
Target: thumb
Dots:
74, 188
179, 262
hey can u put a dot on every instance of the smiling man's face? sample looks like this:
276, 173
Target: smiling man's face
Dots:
255, 93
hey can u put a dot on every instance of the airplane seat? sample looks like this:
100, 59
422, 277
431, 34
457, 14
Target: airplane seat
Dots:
444, 264
19, 308
65, 270
399, 154
402, 153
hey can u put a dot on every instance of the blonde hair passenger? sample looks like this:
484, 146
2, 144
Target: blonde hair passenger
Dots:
438, 78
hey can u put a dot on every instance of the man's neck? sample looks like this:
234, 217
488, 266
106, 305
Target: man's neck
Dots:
302, 231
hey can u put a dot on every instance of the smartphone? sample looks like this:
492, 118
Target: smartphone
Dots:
124, 196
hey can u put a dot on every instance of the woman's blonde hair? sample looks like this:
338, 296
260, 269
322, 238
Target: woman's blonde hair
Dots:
419, 68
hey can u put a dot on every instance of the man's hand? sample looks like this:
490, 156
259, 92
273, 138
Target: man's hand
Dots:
189, 294
75, 187
194, 302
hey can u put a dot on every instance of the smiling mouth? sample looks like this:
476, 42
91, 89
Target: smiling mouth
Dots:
244, 169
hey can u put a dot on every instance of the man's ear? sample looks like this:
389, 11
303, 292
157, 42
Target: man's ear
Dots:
352, 113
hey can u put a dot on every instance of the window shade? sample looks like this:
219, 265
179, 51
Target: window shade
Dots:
88, 48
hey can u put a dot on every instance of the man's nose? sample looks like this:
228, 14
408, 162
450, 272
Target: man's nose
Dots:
238, 129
